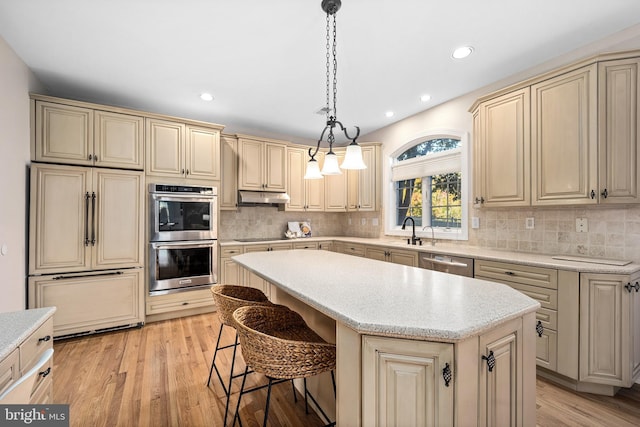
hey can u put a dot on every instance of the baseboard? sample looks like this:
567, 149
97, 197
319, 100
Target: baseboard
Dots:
581, 386
179, 313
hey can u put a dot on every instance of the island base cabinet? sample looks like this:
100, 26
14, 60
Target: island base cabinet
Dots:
89, 303
403, 382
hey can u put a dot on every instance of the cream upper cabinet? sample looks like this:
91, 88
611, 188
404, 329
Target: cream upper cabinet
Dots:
84, 218
183, 151
228, 196
84, 136
363, 185
261, 165
335, 189
403, 382
502, 151
305, 194
619, 115
609, 329
564, 138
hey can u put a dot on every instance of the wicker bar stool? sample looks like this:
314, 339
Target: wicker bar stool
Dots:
228, 298
277, 343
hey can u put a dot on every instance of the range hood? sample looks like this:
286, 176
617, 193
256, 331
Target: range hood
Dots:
262, 198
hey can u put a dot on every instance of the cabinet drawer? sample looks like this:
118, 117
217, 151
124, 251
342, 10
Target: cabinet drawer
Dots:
547, 349
548, 298
229, 251
549, 318
9, 369
501, 271
35, 345
179, 301
305, 245
353, 249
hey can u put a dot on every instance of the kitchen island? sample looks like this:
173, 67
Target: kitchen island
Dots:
414, 347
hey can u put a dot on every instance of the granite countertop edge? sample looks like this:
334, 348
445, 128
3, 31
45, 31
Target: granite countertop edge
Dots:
18, 325
475, 252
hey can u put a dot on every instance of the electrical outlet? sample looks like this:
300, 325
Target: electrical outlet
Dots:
349, 221
363, 221
581, 225
529, 223
475, 222
374, 222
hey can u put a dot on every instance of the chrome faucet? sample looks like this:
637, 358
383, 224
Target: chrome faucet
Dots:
433, 239
413, 239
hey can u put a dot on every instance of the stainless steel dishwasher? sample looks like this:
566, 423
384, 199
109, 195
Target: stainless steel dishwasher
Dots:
446, 263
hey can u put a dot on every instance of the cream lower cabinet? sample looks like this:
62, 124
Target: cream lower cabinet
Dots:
74, 133
565, 139
230, 271
609, 329
90, 302
252, 279
403, 384
395, 256
178, 150
85, 219
502, 151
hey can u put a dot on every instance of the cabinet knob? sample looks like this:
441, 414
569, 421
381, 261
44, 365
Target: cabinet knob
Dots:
629, 287
604, 193
491, 360
593, 194
539, 328
479, 201
45, 372
188, 172
90, 157
45, 338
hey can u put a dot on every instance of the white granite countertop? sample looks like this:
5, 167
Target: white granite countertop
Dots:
381, 298
16, 326
588, 265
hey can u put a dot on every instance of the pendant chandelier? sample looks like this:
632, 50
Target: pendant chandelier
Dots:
353, 155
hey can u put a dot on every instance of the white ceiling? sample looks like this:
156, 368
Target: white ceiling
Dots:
264, 62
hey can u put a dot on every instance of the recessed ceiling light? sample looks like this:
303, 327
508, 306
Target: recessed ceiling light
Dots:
462, 52
425, 98
206, 97
389, 114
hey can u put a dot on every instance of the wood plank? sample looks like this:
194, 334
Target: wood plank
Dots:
156, 376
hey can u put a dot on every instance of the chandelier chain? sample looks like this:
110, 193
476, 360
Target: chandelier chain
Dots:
335, 69
328, 111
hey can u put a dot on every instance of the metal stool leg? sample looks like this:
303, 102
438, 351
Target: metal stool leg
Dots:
215, 353
237, 415
266, 408
231, 376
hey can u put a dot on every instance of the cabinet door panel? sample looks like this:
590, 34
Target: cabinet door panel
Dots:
367, 180
564, 133
335, 189
165, 148
250, 157
618, 126
228, 196
203, 153
276, 174
63, 133
88, 303
295, 179
402, 383
119, 140
58, 219
119, 219
505, 149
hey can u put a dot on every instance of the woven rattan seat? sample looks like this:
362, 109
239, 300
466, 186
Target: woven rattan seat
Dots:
228, 298
277, 343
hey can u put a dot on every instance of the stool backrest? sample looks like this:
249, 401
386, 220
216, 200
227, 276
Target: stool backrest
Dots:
228, 298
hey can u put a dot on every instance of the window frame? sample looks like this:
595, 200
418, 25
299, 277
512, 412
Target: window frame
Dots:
391, 228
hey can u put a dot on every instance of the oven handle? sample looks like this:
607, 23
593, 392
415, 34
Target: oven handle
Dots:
180, 197
186, 244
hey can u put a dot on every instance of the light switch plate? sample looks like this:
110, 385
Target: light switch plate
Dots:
475, 222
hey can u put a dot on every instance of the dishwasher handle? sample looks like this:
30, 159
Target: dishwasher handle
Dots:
447, 263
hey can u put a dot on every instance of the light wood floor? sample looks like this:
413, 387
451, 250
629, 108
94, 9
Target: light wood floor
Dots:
156, 376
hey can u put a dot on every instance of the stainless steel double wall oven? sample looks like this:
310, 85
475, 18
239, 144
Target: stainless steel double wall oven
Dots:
182, 237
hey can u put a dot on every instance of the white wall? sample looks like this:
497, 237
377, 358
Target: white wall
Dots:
16, 80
